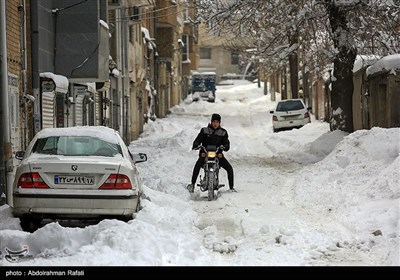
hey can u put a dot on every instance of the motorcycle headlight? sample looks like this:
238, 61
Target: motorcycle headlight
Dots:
211, 154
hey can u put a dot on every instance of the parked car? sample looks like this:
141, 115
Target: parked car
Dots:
290, 113
76, 172
203, 86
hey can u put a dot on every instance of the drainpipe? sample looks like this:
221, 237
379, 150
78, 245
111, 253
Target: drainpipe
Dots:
6, 167
34, 21
120, 93
21, 8
125, 75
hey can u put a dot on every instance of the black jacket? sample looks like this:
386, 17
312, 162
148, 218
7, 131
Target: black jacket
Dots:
210, 136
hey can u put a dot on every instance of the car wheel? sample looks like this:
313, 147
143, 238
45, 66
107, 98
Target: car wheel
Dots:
275, 130
126, 218
30, 224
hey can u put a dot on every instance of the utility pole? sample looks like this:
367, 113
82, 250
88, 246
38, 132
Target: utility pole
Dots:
5, 139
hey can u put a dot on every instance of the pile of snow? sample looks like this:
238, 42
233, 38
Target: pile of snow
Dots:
390, 63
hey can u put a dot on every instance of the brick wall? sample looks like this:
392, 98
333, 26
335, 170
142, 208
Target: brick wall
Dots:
13, 22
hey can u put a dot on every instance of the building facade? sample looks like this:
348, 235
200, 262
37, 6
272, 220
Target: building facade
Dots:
115, 63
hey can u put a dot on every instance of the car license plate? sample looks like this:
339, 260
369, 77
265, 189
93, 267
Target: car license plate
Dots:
291, 117
74, 180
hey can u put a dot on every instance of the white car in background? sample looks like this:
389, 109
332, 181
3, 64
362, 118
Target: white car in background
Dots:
290, 113
76, 172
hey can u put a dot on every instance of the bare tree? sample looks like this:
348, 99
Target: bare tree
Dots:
331, 32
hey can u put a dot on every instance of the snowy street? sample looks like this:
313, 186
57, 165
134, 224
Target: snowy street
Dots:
306, 197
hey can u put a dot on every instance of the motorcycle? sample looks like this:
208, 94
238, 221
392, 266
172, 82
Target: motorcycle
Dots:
210, 180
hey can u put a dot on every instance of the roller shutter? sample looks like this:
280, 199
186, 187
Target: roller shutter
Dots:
79, 110
48, 109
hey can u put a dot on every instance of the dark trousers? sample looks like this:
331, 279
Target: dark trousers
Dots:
222, 163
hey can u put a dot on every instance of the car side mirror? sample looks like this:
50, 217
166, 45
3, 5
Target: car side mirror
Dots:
19, 155
271, 112
140, 157
309, 108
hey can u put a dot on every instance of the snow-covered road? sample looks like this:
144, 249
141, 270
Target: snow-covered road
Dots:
306, 197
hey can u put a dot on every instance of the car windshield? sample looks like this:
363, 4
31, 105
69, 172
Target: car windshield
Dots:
76, 146
292, 105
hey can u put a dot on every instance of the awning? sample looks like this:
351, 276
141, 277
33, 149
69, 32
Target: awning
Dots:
91, 87
147, 40
61, 82
103, 86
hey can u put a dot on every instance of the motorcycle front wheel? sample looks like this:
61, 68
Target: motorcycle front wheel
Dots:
210, 184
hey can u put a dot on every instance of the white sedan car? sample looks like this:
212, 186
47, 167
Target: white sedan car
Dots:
76, 172
290, 113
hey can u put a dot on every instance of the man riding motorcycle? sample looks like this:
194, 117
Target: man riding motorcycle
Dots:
215, 135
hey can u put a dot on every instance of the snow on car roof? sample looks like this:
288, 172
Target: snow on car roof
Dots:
104, 133
203, 73
289, 100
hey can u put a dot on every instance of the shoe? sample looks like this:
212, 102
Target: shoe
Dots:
232, 189
190, 188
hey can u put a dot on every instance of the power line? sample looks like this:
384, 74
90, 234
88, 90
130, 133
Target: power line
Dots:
156, 11
121, 19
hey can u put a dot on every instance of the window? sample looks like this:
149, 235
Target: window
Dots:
14, 101
185, 48
205, 53
213, 29
76, 146
289, 106
234, 58
134, 13
132, 34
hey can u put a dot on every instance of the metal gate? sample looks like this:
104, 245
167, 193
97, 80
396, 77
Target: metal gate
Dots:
98, 116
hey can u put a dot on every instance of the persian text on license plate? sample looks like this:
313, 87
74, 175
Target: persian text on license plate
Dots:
74, 180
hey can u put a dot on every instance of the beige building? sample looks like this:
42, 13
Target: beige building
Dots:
215, 53
19, 82
177, 48
15, 83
